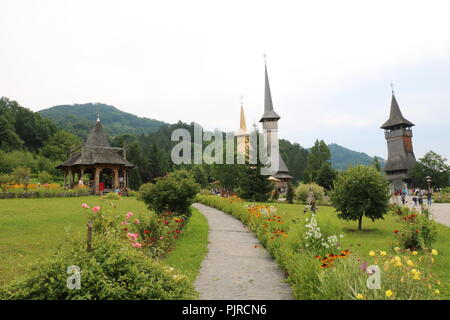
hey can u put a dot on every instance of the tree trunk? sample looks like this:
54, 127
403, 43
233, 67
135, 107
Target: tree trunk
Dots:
360, 223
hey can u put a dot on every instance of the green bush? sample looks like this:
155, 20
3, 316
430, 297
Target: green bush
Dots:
111, 196
44, 177
112, 270
21, 175
174, 192
418, 231
302, 191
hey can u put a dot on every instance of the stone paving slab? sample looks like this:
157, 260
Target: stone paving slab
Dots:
234, 269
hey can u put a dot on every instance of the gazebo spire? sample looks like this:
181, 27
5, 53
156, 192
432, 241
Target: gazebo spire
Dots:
97, 137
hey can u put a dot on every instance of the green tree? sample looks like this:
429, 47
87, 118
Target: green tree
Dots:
326, 176
59, 145
360, 191
318, 155
376, 163
433, 165
9, 139
253, 186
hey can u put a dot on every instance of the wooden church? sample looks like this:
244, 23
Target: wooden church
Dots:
104, 166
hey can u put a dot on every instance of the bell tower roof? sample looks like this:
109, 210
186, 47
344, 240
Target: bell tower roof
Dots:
396, 118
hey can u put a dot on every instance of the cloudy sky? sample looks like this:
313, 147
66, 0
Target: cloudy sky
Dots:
330, 63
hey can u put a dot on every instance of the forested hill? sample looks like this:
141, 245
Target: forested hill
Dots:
342, 157
78, 119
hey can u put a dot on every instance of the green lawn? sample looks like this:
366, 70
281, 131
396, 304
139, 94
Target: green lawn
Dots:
191, 248
32, 228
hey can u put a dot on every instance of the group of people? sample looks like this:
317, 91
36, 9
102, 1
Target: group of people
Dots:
417, 197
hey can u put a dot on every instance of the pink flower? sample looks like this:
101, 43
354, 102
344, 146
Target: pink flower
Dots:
129, 215
133, 235
160, 238
96, 209
136, 221
136, 245
124, 223
84, 206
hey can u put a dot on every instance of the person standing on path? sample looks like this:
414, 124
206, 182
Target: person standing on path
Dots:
415, 200
429, 198
420, 198
403, 198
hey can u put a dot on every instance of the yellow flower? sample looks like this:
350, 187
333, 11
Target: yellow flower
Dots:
415, 271
389, 293
434, 252
410, 263
437, 291
359, 296
397, 258
383, 253
398, 263
397, 249
414, 253
372, 253
416, 277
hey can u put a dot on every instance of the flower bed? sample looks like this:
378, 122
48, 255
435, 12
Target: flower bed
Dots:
316, 265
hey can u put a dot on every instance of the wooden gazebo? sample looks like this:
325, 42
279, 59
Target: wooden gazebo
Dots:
105, 166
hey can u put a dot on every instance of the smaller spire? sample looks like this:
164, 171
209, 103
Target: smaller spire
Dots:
242, 123
392, 87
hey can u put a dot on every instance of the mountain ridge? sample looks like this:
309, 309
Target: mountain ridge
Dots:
78, 119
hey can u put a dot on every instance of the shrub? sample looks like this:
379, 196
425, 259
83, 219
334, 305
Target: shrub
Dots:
174, 192
361, 191
111, 270
21, 174
290, 193
111, 196
44, 177
302, 191
418, 231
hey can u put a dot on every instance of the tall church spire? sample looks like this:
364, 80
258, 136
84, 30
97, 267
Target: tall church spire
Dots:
242, 124
396, 118
269, 113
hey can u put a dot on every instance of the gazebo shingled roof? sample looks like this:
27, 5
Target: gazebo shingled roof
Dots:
96, 150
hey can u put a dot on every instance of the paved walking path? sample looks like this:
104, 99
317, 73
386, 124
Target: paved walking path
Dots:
440, 211
234, 269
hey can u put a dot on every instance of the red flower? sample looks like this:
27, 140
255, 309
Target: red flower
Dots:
178, 231
417, 231
125, 229
395, 231
146, 231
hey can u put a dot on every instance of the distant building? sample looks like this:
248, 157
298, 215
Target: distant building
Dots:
105, 166
270, 126
401, 159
